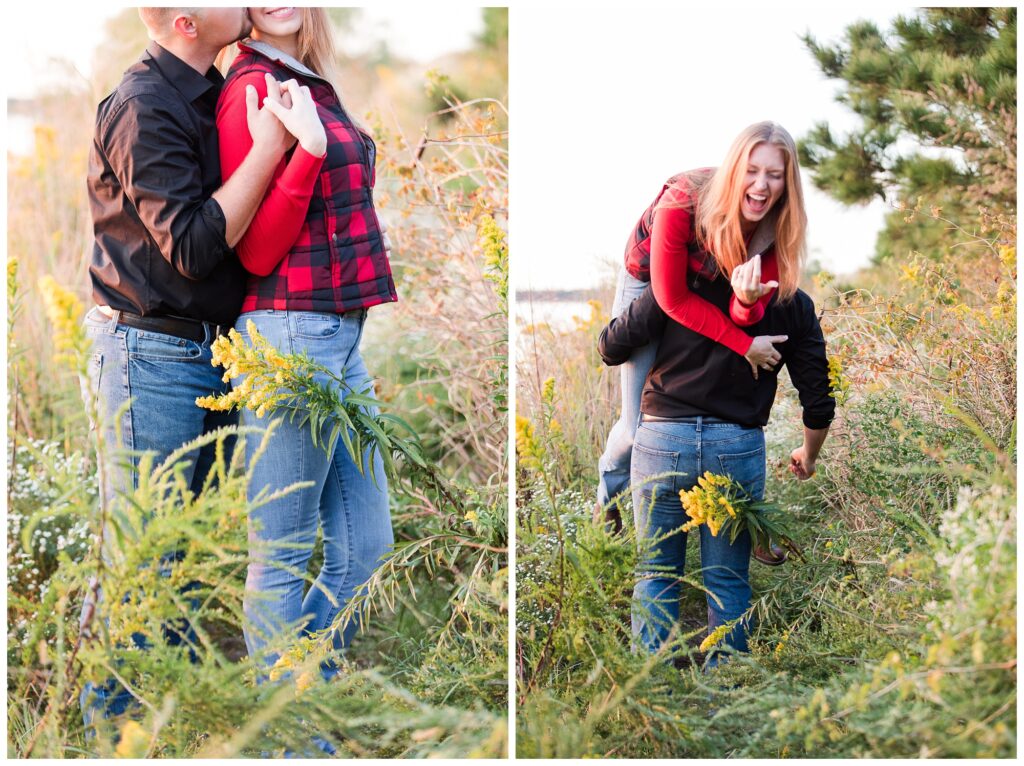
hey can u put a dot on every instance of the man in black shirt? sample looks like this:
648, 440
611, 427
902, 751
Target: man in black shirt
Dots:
694, 375
165, 279
702, 410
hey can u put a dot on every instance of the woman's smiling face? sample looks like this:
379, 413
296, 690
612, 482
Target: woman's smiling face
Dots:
765, 181
276, 22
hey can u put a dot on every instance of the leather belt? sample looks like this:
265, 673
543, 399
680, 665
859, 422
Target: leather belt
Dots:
644, 417
181, 327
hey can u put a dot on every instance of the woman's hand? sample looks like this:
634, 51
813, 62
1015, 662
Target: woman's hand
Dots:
762, 354
746, 282
300, 116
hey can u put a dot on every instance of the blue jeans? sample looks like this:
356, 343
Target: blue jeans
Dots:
687, 450
613, 466
161, 376
350, 507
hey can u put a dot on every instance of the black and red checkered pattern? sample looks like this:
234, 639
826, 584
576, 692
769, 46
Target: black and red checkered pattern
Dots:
680, 192
338, 262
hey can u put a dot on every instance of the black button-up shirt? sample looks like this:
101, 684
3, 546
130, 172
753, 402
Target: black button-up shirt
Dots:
694, 375
160, 248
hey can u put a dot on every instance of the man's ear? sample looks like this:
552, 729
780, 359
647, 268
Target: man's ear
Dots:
185, 25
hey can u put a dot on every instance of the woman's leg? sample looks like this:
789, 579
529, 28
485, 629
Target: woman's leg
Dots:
660, 448
282, 532
736, 452
614, 465
356, 522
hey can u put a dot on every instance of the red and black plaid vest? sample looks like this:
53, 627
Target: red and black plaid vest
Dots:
638, 247
338, 263
682, 193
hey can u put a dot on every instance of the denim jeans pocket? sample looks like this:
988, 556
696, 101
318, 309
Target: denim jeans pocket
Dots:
746, 468
311, 324
648, 463
157, 345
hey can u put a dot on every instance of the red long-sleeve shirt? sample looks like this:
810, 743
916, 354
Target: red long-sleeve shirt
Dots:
670, 238
280, 216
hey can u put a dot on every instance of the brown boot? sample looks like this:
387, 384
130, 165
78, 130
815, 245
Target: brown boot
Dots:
773, 557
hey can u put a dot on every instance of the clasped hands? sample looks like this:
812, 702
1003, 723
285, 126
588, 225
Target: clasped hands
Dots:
288, 115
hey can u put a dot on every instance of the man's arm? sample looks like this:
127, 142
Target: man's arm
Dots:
242, 193
157, 163
808, 369
803, 460
639, 324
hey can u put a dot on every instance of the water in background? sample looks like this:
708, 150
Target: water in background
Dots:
558, 314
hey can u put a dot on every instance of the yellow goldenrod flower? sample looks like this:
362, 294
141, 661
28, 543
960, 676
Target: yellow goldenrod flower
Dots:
64, 311
547, 394
782, 643
715, 637
528, 449
134, 741
12, 277
304, 682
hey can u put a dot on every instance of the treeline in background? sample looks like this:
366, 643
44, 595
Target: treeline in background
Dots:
897, 637
426, 674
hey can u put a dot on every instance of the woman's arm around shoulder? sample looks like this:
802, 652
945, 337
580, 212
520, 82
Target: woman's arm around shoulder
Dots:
670, 234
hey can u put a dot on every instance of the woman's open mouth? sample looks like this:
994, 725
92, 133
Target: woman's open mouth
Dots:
757, 203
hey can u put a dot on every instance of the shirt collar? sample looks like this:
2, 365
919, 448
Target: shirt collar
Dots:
764, 234
278, 55
187, 80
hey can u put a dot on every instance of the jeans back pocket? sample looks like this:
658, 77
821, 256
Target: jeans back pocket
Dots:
747, 469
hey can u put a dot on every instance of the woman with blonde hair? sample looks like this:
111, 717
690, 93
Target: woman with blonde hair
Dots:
744, 220
317, 259
700, 406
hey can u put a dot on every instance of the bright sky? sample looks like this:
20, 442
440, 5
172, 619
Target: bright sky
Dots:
73, 31
605, 107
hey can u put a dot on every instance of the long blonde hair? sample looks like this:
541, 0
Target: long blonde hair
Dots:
719, 220
316, 45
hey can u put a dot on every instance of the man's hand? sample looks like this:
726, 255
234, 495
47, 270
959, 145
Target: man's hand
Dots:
267, 131
763, 354
299, 116
801, 465
746, 282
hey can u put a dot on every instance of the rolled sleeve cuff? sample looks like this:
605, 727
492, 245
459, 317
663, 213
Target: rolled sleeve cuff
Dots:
216, 224
819, 419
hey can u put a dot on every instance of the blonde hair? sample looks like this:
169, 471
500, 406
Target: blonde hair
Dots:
719, 220
316, 45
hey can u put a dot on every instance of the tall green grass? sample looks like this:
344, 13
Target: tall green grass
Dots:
897, 637
426, 676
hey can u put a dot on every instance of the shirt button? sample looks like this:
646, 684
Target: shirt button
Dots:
334, 237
